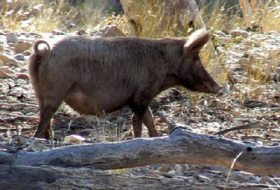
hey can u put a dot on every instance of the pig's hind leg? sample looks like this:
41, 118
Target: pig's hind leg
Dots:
49, 102
137, 120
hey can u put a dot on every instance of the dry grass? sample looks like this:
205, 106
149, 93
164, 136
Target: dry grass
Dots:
146, 15
9, 14
268, 18
258, 70
220, 18
15, 13
21, 16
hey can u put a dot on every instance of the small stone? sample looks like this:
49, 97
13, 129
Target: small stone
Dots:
75, 139
219, 34
241, 176
58, 32
27, 53
110, 31
6, 69
203, 178
4, 74
23, 76
7, 60
37, 9
81, 32
236, 33
11, 37
19, 57
3, 39
22, 46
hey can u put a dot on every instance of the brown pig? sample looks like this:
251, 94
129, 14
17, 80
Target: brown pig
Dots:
97, 75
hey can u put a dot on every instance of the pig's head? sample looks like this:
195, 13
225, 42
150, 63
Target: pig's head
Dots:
192, 73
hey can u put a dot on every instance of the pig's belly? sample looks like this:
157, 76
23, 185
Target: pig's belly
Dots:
86, 104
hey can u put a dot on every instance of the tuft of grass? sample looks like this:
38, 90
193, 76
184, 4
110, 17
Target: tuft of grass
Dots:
10, 14
17, 12
53, 15
219, 18
150, 19
268, 18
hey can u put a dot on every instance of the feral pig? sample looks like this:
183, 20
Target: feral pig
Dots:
97, 75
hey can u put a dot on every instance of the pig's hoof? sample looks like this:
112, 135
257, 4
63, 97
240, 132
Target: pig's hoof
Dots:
154, 133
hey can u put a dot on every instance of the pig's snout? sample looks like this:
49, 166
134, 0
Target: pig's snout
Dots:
221, 90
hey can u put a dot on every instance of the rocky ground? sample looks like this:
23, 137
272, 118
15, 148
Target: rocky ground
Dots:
250, 109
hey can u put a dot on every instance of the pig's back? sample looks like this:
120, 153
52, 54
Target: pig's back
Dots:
108, 72
111, 60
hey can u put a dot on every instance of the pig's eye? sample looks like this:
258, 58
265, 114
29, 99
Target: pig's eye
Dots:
197, 63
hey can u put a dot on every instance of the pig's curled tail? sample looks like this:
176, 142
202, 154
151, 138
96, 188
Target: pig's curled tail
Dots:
36, 47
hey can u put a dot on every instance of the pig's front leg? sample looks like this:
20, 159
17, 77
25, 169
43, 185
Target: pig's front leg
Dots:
145, 116
149, 122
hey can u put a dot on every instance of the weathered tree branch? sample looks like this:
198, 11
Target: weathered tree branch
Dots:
180, 147
41, 178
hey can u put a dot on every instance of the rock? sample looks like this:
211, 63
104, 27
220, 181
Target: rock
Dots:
81, 32
37, 9
236, 33
4, 74
3, 39
22, 46
11, 37
276, 77
27, 53
19, 57
7, 60
241, 176
111, 30
223, 40
255, 103
219, 33
75, 139
203, 178
58, 32
23, 76
6, 69
2, 32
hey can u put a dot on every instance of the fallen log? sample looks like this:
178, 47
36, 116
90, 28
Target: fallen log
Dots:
181, 146
41, 178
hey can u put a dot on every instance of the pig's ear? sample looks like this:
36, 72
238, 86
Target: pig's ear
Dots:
196, 41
